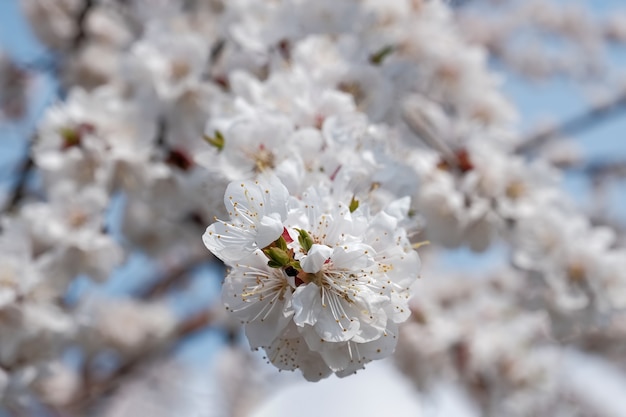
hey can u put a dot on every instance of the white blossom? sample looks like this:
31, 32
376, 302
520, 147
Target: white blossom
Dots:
322, 274
257, 210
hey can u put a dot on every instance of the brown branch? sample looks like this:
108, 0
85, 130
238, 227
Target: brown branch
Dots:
94, 392
601, 170
576, 124
173, 277
20, 187
81, 23
195, 323
457, 4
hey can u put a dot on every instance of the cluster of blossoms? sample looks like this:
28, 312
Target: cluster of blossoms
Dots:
338, 135
320, 284
581, 264
42, 253
456, 331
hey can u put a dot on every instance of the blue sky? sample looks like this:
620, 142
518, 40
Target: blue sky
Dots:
15, 36
17, 41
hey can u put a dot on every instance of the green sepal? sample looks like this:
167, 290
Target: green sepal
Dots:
216, 141
273, 264
354, 204
305, 240
281, 243
70, 136
295, 265
278, 257
377, 58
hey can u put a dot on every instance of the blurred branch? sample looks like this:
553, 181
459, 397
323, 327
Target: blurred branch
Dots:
459, 3
173, 277
20, 186
601, 173
606, 341
576, 124
195, 323
216, 50
94, 392
161, 133
601, 170
613, 224
82, 24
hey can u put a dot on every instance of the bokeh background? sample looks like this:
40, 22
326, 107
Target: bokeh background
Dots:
560, 82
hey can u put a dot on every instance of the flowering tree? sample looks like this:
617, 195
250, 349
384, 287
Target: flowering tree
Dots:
317, 150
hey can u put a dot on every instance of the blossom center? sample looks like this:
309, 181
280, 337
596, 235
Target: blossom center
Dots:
263, 159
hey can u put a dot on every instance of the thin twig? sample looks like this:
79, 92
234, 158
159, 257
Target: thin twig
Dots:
576, 124
22, 180
95, 391
81, 23
603, 169
172, 278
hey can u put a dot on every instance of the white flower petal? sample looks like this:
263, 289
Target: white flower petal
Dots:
257, 210
336, 322
306, 302
228, 242
315, 258
260, 296
268, 230
354, 256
